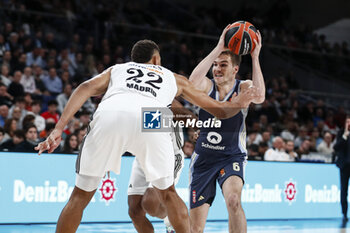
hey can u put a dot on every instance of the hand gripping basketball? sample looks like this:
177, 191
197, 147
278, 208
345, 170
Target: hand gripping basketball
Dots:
258, 43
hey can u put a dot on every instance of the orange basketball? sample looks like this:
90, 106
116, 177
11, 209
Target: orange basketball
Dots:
240, 37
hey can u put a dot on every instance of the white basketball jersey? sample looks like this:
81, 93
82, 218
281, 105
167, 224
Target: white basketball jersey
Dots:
147, 80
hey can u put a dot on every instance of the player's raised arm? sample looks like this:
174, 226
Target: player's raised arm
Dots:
257, 76
95, 86
198, 75
222, 110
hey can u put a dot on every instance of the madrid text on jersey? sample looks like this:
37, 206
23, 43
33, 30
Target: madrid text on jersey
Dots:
141, 88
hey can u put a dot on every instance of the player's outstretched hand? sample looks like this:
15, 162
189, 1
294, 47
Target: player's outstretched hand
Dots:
221, 43
51, 142
258, 43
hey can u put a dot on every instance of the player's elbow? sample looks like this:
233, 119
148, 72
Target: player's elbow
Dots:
83, 88
84, 85
259, 99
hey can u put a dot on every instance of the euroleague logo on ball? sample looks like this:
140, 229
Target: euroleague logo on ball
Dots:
240, 37
290, 191
108, 190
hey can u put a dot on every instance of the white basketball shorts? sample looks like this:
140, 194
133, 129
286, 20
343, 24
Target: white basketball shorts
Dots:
138, 183
115, 129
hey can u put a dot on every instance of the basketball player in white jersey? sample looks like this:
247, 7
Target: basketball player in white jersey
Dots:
116, 128
142, 197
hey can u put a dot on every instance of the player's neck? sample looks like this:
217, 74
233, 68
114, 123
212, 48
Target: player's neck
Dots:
225, 87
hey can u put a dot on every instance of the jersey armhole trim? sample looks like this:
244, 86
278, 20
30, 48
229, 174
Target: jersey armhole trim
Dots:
212, 86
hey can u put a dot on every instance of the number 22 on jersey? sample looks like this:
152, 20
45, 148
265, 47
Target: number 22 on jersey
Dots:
150, 79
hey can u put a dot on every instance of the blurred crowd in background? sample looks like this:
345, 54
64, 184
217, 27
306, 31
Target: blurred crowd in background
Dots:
43, 58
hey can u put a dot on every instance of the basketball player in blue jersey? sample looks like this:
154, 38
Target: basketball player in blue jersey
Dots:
220, 154
116, 128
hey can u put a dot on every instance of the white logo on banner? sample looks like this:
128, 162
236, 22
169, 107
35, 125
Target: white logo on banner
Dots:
260, 194
46, 193
325, 195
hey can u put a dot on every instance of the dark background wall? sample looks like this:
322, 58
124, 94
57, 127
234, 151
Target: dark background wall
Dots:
313, 12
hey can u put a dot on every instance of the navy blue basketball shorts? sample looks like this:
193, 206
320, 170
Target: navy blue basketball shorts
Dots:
203, 176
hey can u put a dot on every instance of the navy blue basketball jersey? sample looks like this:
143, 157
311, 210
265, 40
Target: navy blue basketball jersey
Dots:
230, 138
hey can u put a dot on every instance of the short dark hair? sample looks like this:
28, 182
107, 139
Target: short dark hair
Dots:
28, 120
28, 127
236, 59
52, 102
19, 99
263, 144
254, 147
19, 133
35, 102
143, 50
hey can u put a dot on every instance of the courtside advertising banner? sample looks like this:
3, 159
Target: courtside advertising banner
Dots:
34, 189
